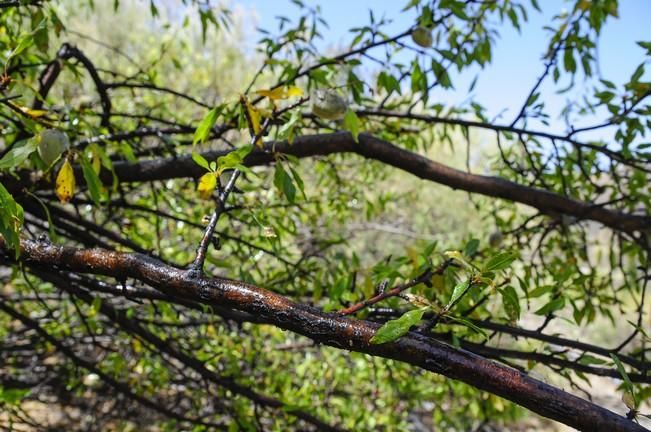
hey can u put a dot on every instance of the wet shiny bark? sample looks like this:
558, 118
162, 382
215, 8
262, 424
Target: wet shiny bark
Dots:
334, 330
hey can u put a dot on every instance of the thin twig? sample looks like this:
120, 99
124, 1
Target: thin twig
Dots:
427, 275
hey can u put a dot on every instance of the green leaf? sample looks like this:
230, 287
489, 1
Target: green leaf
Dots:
568, 61
629, 397
284, 183
97, 304
411, 4
11, 219
418, 79
18, 153
639, 71
533, 98
352, 124
470, 325
541, 290
286, 131
552, 306
299, 181
233, 159
12, 396
338, 288
441, 74
458, 291
204, 128
510, 302
499, 261
95, 187
471, 247
646, 46
388, 82
392, 330
587, 359
153, 9
25, 42
201, 161
620, 368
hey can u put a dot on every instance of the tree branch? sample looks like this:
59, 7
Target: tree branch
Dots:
336, 331
53, 69
369, 147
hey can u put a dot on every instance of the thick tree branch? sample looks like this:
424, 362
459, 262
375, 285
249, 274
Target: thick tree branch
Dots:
336, 331
373, 148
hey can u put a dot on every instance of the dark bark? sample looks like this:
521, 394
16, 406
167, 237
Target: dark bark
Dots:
336, 331
373, 148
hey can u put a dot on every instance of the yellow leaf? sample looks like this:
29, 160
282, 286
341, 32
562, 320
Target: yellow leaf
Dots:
207, 184
293, 91
254, 117
33, 113
281, 92
629, 400
273, 94
65, 182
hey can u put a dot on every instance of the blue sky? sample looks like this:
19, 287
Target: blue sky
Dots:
502, 86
